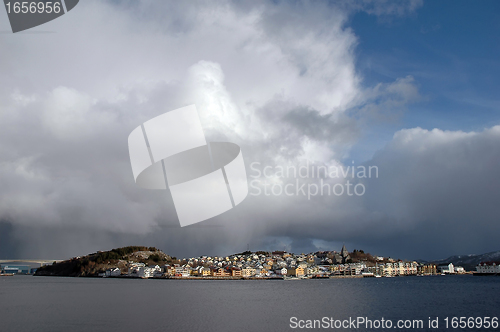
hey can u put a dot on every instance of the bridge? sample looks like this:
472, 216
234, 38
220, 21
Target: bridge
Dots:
30, 261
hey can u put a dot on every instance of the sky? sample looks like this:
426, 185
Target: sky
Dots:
409, 88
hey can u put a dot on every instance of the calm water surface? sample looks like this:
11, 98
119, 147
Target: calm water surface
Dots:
78, 304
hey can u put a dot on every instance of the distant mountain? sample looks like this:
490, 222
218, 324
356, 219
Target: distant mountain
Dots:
469, 262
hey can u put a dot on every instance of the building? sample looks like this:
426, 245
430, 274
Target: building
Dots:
447, 269
235, 272
300, 271
388, 270
156, 271
205, 272
313, 270
296, 271
344, 254
248, 272
182, 271
427, 269
16, 269
140, 270
169, 270
488, 268
115, 272
410, 268
344, 270
220, 272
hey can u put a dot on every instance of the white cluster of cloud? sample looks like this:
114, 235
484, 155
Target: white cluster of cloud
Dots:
279, 79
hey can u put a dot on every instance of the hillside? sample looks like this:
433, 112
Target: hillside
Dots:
93, 264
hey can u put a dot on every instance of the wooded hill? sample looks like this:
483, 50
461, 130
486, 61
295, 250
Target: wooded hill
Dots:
93, 264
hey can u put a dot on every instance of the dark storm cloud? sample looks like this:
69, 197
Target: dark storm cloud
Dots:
442, 188
9, 245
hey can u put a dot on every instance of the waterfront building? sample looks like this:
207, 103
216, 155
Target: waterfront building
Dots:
205, 272
220, 272
15, 269
114, 272
427, 269
447, 269
182, 271
248, 272
235, 272
488, 268
296, 271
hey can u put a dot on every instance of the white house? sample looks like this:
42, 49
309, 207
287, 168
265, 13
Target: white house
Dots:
281, 271
446, 268
113, 272
183, 271
155, 271
489, 268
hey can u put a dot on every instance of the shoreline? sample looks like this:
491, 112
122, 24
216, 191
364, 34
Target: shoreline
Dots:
262, 278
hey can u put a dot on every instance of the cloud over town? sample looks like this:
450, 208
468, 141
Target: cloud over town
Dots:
280, 80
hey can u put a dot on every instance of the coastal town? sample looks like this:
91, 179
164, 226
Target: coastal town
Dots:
284, 265
142, 262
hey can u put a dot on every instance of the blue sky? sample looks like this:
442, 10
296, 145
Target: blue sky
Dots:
451, 49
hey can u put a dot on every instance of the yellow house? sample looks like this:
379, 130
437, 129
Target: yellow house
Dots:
299, 271
296, 271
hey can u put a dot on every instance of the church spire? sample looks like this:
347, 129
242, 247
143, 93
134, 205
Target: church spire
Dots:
344, 251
